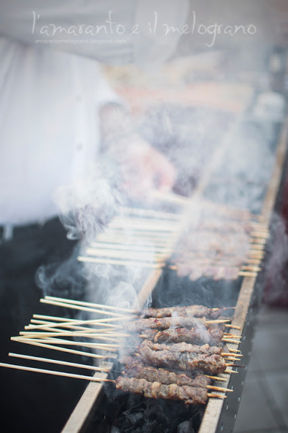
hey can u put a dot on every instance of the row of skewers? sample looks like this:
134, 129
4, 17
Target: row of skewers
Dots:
220, 247
217, 243
173, 353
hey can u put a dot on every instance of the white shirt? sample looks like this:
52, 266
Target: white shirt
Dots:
50, 97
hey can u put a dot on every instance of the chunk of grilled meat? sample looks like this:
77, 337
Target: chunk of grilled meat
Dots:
190, 310
188, 394
165, 323
207, 363
211, 335
185, 347
134, 368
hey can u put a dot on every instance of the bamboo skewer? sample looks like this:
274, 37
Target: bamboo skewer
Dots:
120, 262
65, 304
218, 388
61, 349
105, 307
29, 334
92, 304
228, 340
92, 378
107, 347
59, 362
127, 255
55, 373
149, 213
220, 379
129, 247
247, 274
150, 229
104, 331
100, 369
212, 395
233, 326
109, 326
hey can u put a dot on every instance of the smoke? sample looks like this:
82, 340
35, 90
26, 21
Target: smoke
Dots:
87, 205
189, 120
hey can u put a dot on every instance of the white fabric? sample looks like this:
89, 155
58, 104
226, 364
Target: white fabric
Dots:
50, 94
48, 126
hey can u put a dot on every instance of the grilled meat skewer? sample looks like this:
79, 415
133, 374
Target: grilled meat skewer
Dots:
190, 310
188, 394
165, 323
211, 335
185, 347
211, 364
134, 368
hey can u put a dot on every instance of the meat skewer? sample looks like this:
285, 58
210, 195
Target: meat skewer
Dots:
184, 347
188, 394
207, 363
134, 368
211, 335
190, 310
167, 322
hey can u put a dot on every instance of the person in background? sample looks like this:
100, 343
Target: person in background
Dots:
56, 112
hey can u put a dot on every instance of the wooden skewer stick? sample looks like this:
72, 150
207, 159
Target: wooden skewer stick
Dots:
126, 255
104, 331
55, 318
233, 327
82, 308
228, 371
68, 321
55, 373
219, 388
228, 335
247, 274
229, 354
149, 212
228, 340
63, 349
259, 234
235, 350
220, 379
217, 321
109, 348
95, 322
120, 262
59, 362
66, 334
92, 304
131, 248
150, 229
212, 395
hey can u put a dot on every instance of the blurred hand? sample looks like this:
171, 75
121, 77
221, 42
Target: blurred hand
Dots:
143, 169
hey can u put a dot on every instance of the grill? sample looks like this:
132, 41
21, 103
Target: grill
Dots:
164, 284
181, 273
